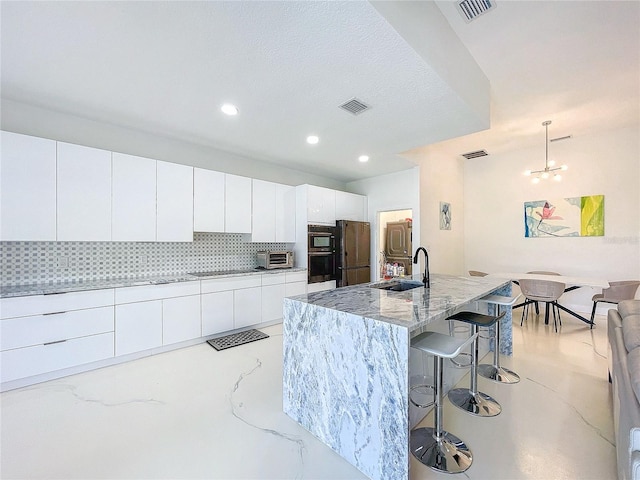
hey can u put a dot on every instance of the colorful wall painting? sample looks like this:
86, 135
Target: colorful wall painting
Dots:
445, 216
565, 217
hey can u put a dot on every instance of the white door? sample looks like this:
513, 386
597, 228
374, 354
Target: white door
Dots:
138, 326
263, 224
84, 193
133, 198
208, 200
285, 213
247, 306
27, 188
217, 312
174, 202
237, 205
180, 319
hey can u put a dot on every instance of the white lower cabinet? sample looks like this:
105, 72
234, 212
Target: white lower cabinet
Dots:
295, 288
138, 326
217, 312
247, 307
180, 319
272, 299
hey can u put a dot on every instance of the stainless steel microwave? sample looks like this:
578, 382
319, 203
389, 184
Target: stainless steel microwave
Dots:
271, 260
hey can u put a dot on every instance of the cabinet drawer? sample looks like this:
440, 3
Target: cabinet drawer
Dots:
28, 361
273, 278
231, 283
42, 329
297, 277
146, 293
61, 302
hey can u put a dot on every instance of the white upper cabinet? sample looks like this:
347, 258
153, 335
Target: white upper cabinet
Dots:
208, 200
321, 205
84, 193
350, 206
133, 198
174, 203
27, 188
263, 224
237, 204
285, 213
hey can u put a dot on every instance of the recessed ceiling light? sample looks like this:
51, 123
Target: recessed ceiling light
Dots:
229, 109
363, 158
312, 139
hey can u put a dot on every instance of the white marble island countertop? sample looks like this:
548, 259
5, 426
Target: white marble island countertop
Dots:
412, 309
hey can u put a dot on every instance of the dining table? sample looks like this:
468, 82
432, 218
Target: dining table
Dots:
571, 282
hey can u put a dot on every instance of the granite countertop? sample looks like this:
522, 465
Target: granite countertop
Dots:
79, 286
411, 308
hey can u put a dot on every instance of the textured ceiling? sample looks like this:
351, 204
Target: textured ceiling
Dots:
166, 67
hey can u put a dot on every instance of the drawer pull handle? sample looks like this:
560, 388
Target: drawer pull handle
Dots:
54, 313
53, 343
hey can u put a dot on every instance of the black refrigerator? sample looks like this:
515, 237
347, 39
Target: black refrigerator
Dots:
354, 252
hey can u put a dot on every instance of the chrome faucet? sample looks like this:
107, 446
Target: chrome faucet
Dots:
425, 279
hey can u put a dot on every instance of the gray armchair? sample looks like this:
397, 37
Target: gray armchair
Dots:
617, 292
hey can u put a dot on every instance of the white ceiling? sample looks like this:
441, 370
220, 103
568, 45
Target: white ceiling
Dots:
166, 67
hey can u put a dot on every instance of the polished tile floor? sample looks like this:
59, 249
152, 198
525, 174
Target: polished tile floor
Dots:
198, 413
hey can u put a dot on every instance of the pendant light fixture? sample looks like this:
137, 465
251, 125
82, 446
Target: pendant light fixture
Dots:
549, 165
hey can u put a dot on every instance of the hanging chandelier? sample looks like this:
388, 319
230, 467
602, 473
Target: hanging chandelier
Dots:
549, 165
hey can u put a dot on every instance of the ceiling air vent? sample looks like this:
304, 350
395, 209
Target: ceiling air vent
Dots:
355, 106
476, 154
472, 9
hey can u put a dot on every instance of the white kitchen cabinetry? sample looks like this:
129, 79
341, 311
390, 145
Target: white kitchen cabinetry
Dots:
138, 326
321, 205
133, 198
246, 306
174, 202
296, 283
27, 188
285, 213
350, 206
44, 333
83, 193
237, 204
217, 312
208, 200
273, 293
263, 223
181, 319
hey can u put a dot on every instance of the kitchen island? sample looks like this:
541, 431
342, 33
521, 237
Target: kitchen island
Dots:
346, 365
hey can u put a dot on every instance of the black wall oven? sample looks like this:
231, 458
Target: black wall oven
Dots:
321, 246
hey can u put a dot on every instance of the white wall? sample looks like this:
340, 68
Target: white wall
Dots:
495, 189
396, 191
40, 122
442, 180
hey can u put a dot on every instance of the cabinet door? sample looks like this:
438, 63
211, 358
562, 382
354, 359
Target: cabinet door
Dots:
174, 202
217, 312
237, 204
27, 188
285, 213
350, 206
84, 193
180, 319
208, 201
133, 198
295, 288
272, 299
138, 326
263, 223
321, 205
247, 307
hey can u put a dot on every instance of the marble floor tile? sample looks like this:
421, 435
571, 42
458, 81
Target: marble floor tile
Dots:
198, 413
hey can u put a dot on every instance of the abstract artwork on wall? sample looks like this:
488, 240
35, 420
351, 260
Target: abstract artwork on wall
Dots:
445, 216
565, 217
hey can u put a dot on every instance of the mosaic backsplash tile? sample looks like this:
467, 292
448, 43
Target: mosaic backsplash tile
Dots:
27, 263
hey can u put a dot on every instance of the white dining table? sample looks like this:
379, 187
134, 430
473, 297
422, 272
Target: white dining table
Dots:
572, 283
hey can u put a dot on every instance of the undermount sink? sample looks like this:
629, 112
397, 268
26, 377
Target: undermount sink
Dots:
398, 285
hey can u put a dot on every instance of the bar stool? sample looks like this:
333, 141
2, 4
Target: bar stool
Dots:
434, 447
495, 372
470, 400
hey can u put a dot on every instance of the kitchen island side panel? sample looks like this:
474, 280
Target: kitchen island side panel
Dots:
345, 379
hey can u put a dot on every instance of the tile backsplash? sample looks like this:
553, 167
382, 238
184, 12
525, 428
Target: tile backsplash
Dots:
27, 263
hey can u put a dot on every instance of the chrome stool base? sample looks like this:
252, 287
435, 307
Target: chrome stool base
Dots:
447, 455
498, 374
479, 404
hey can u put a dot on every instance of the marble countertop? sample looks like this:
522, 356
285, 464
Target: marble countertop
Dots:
412, 308
79, 286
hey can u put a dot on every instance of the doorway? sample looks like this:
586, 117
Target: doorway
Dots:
381, 237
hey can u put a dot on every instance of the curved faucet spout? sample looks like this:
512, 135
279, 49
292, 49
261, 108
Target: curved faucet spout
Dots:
426, 277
